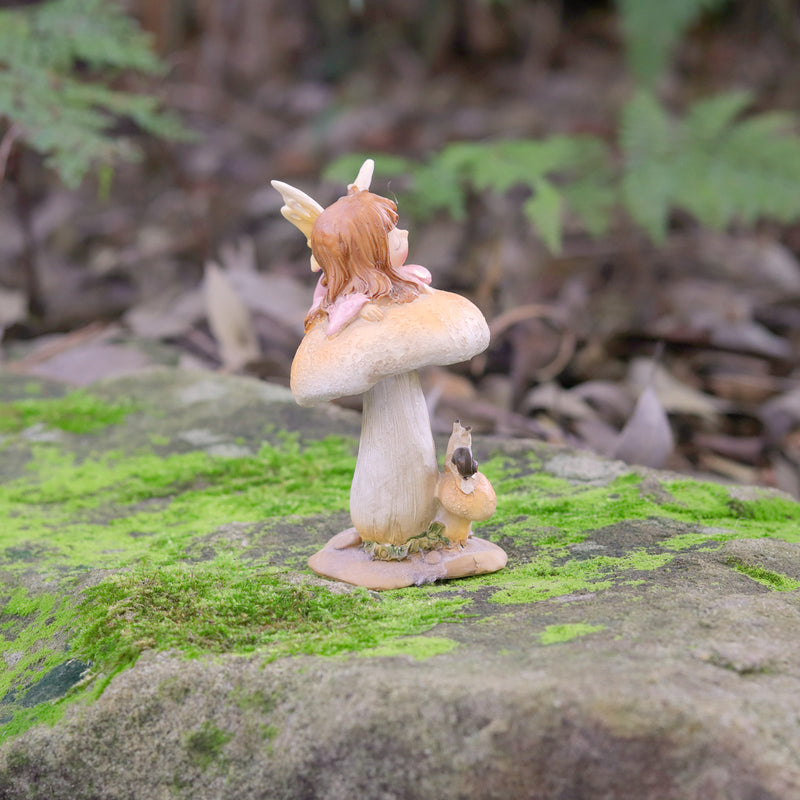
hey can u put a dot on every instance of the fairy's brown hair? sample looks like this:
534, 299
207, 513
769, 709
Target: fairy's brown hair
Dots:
349, 241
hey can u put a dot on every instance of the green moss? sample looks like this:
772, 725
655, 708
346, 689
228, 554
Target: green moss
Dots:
713, 505
205, 745
545, 516
553, 573
269, 732
77, 412
66, 514
774, 580
33, 630
116, 509
220, 607
418, 647
147, 514
548, 576
538, 509
555, 634
119, 507
25, 718
257, 700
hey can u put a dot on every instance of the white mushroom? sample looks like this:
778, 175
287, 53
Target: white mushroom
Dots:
392, 497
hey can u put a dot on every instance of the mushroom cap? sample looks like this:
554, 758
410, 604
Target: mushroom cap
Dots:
435, 328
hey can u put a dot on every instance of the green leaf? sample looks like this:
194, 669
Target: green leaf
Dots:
592, 201
345, 168
652, 28
711, 164
707, 119
544, 209
57, 61
646, 139
437, 188
563, 173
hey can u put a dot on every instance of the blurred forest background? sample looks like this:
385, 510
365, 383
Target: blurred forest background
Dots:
615, 184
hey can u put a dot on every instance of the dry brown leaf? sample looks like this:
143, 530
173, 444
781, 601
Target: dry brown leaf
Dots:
558, 402
47, 347
646, 438
238, 256
746, 389
787, 473
229, 320
280, 297
13, 307
284, 299
741, 473
612, 400
757, 262
703, 304
781, 414
598, 435
675, 397
445, 394
497, 390
167, 316
750, 337
738, 448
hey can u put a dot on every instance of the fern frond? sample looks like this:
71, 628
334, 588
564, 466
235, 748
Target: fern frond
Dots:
708, 118
344, 168
653, 27
98, 33
563, 173
545, 208
437, 187
710, 164
68, 115
646, 138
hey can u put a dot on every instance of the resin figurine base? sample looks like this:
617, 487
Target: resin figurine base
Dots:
343, 559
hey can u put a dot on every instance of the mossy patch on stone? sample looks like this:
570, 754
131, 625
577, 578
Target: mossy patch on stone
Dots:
172, 530
554, 575
76, 412
204, 745
220, 607
418, 647
556, 634
538, 508
115, 508
33, 634
772, 580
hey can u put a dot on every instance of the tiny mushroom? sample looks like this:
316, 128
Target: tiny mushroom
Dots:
466, 496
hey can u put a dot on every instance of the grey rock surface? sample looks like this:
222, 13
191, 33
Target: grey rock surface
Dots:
649, 654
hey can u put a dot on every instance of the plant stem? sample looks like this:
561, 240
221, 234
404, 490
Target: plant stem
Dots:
24, 209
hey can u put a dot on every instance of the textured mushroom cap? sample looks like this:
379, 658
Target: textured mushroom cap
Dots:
436, 328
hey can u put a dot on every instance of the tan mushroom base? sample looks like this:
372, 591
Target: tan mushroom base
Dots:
343, 559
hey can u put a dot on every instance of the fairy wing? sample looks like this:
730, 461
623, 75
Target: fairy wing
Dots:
300, 209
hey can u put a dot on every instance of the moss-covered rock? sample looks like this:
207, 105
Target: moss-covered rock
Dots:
162, 635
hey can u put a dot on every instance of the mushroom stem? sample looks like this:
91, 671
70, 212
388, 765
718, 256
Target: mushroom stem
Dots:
393, 495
